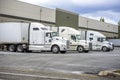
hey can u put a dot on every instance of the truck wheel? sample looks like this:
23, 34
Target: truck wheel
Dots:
112, 47
20, 48
104, 49
11, 48
63, 52
55, 49
86, 51
80, 49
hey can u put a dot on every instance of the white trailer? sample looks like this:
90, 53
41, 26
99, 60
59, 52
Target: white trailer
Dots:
16, 36
116, 42
97, 40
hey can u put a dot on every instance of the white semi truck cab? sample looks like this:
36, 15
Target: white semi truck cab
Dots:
98, 41
75, 39
41, 35
21, 37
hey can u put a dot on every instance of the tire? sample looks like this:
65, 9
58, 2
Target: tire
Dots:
105, 49
86, 51
20, 48
55, 49
112, 48
29, 51
80, 49
63, 52
11, 48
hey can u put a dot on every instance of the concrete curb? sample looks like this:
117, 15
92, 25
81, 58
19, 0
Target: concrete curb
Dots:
48, 73
115, 73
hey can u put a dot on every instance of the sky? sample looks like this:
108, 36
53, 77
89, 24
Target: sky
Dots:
94, 9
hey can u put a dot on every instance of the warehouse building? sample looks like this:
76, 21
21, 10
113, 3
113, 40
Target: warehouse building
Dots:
13, 10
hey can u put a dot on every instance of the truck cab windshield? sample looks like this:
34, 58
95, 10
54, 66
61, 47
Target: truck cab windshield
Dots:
78, 37
104, 39
101, 39
54, 34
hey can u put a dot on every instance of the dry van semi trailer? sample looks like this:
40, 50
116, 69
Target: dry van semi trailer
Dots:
97, 41
16, 36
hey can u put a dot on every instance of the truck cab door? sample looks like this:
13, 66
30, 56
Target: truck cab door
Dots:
48, 38
73, 43
97, 44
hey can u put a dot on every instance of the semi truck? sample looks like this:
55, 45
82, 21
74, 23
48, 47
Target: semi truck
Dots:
74, 37
97, 40
18, 36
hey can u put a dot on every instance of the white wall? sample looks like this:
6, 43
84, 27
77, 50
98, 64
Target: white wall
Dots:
25, 10
21, 9
94, 24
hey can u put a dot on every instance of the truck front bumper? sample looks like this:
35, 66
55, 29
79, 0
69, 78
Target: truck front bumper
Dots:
63, 48
86, 48
111, 47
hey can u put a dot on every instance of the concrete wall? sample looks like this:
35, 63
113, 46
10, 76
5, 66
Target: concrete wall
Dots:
13, 10
110, 30
6, 19
94, 24
107, 34
26, 11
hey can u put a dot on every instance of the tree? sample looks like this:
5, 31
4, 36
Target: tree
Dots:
119, 23
119, 29
102, 19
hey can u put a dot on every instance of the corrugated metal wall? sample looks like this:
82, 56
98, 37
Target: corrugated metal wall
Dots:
65, 18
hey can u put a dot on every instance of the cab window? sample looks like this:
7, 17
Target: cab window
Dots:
78, 37
48, 35
73, 37
35, 29
54, 34
100, 39
91, 39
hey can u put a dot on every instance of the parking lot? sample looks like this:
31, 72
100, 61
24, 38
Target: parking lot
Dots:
69, 66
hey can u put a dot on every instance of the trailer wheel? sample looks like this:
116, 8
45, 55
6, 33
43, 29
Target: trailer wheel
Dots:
104, 49
80, 49
11, 48
55, 49
20, 48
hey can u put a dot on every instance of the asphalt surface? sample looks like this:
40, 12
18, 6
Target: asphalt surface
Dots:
70, 65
